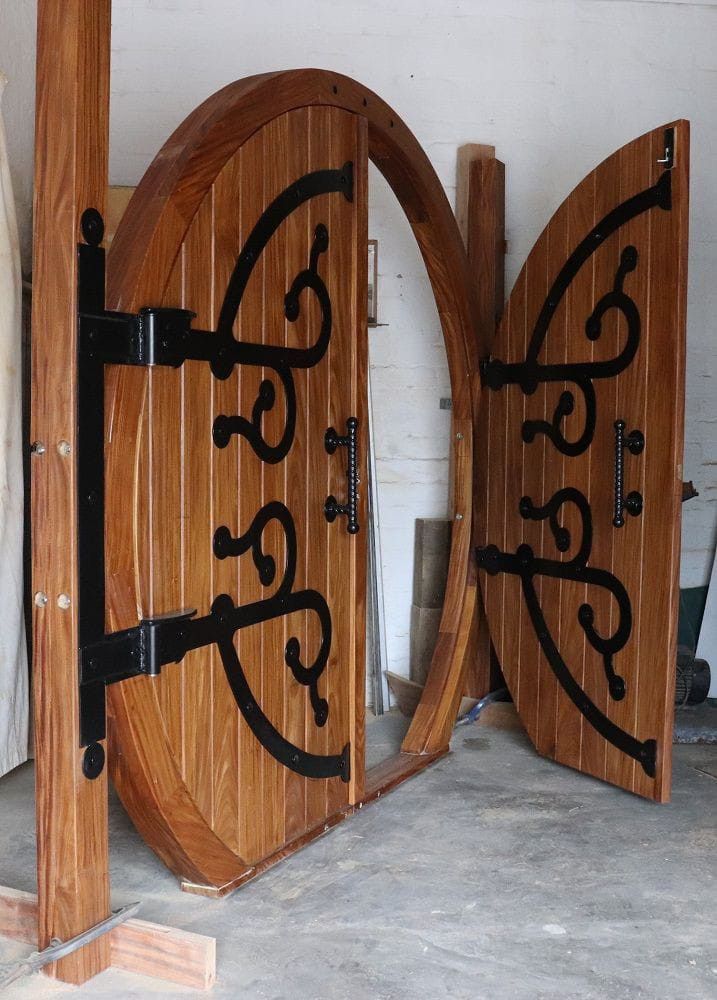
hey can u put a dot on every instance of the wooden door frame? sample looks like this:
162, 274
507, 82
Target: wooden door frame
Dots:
71, 174
164, 203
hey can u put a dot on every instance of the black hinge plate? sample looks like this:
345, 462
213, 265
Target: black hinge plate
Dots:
153, 336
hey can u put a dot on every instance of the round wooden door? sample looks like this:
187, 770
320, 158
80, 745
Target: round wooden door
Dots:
578, 505
219, 479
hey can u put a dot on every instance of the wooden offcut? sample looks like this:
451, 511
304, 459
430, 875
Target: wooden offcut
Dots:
175, 956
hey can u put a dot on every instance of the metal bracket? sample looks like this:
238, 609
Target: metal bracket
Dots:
668, 157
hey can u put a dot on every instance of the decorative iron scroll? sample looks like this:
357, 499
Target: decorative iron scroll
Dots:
528, 374
527, 566
283, 602
282, 360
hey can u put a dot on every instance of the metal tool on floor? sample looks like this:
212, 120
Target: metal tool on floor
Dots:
59, 949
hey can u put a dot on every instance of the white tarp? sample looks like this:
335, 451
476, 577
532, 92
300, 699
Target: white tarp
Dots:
14, 700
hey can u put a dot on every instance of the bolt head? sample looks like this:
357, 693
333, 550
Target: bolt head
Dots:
64, 448
40, 599
37, 448
63, 601
459, 517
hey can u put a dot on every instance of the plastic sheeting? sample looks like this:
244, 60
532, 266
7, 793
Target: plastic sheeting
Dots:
14, 697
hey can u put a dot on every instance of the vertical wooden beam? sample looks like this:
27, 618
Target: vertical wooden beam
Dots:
73, 47
480, 211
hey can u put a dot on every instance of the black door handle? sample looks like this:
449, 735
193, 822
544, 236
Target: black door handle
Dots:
332, 508
632, 503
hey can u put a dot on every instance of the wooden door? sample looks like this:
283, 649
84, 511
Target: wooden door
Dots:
578, 506
217, 479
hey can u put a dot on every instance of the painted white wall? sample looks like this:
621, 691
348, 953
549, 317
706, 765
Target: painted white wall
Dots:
556, 85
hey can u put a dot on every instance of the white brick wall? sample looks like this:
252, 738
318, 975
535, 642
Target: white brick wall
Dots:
556, 86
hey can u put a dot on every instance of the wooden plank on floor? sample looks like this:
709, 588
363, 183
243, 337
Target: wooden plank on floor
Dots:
176, 956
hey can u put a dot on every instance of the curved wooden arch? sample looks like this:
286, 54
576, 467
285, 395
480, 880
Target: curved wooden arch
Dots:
166, 202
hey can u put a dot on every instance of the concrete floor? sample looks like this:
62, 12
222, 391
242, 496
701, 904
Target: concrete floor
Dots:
493, 875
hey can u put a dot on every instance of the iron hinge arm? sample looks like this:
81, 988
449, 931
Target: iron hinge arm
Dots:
153, 336
142, 649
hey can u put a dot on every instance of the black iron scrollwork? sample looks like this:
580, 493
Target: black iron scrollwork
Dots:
526, 565
283, 602
281, 359
530, 373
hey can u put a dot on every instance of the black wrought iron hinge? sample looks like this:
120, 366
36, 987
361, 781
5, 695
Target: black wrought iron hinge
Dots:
153, 336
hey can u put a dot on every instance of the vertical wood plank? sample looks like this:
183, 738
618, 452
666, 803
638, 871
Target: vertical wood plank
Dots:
576, 347
165, 431
297, 334
665, 379
635, 171
276, 676
553, 352
70, 176
228, 224
480, 213
358, 333
249, 641
197, 522
318, 468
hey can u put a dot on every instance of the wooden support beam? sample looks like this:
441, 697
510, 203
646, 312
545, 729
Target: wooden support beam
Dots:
73, 49
480, 211
179, 957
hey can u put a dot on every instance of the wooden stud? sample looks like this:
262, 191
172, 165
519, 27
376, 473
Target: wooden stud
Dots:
70, 175
480, 212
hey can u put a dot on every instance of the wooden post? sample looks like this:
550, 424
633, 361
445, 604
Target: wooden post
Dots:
73, 48
480, 211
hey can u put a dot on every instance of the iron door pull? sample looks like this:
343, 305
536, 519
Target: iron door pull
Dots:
632, 503
332, 508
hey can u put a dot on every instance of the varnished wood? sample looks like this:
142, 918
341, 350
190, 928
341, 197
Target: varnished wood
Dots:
159, 548
169, 196
161, 218
70, 175
480, 212
175, 956
648, 395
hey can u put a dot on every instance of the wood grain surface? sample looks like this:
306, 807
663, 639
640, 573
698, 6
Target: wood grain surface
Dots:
185, 487
70, 175
648, 394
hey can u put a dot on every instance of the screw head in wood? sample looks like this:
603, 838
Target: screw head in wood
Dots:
459, 517
40, 599
64, 448
63, 601
37, 448
459, 436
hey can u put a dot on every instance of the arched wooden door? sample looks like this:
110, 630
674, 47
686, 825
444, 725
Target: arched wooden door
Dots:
578, 507
217, 478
